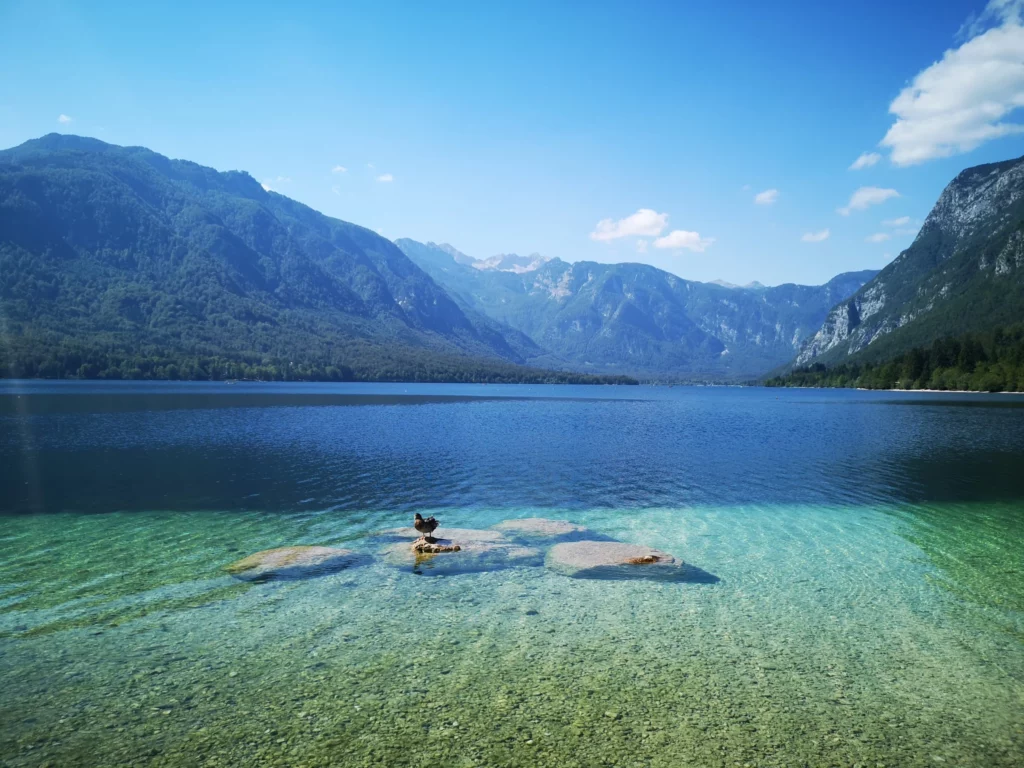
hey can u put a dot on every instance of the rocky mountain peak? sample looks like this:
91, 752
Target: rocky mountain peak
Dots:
984, 194
512, 262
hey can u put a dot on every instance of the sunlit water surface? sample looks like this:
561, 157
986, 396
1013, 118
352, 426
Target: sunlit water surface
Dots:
863, 600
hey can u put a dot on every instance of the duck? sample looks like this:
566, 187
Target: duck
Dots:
426, 527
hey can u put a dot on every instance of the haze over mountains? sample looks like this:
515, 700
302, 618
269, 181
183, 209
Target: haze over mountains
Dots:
116, 261
635, 317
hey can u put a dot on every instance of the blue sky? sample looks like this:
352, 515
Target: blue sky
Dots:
601, 131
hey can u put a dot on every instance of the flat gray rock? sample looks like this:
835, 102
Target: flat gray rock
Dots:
293, 563
612, 560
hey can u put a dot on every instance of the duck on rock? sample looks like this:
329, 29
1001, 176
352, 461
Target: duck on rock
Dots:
425, 526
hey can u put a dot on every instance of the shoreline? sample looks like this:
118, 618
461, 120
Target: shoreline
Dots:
936, 391
892, 389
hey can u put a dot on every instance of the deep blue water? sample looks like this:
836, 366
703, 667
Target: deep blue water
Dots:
121, 446
858, 598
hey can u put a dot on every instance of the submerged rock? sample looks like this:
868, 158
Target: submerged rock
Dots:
450, 534
612, 560
292, 563
540, 531
540, 526
466, 551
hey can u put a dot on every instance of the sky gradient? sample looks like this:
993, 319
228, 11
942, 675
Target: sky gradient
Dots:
711, 141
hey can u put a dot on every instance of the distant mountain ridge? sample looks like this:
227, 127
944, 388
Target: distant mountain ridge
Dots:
964, 272
502, 262
618, 317
511, 262
118, 261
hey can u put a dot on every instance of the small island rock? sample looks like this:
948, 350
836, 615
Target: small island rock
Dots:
433, 547
292, 563
466, 551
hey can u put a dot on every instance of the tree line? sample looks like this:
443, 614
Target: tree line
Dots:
69, 359
992, 361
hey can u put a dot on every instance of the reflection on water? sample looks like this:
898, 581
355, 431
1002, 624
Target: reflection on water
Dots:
862, 600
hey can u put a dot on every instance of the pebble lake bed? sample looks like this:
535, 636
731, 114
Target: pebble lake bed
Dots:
885, 626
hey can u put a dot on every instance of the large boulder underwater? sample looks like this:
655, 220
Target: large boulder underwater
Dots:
298, 562
542, 530
618, 560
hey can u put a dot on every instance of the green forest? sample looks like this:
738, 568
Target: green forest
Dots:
992, 361
20, 358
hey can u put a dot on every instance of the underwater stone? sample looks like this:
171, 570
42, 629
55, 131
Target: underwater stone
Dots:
610, 559
463, 535
540, 526
292, 563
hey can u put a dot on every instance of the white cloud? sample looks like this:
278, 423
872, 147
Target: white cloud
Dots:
878, 237
266, 186
960, 102
64, 119
641, 246
336, 189
339, 169
866, 160
679, 238
646, 222
767, 197
993, 14
385, 177
902, 221
866, 196
746, 188
816, 237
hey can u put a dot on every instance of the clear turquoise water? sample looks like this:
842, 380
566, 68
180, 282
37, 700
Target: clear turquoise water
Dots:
868, 608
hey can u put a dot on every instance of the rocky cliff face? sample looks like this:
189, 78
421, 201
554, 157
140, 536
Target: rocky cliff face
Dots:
961, 273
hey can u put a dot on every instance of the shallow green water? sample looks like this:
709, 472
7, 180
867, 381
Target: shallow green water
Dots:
878, 632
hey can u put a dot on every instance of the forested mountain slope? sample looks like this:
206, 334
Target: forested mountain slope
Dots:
117, 256
964, 272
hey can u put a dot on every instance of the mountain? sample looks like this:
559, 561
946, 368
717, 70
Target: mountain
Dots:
753, 286
440, 256
511, 262
964, 272
113, 257
634, 317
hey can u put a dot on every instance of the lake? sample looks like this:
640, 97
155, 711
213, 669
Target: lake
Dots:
861, 599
